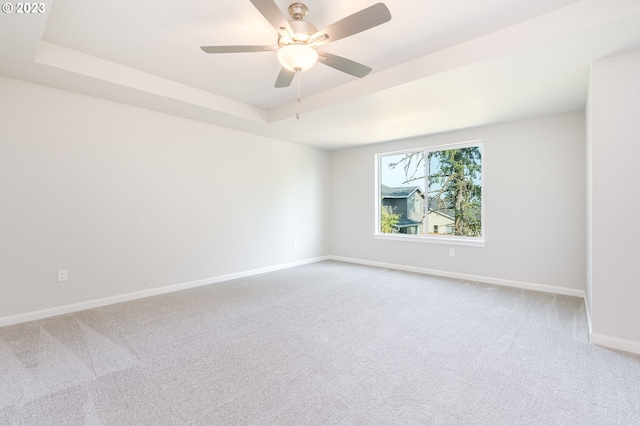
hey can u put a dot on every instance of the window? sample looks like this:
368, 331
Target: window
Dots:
432, 193
417, 205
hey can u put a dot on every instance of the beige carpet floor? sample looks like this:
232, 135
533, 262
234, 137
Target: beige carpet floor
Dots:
323, 344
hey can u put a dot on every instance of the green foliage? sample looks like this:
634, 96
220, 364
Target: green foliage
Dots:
454, 182
388, 221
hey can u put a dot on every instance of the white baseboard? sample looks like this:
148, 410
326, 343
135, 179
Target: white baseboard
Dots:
615, 343
595, 338
67, 309
488, 280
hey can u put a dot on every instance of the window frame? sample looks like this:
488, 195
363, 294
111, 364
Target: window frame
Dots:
430, 239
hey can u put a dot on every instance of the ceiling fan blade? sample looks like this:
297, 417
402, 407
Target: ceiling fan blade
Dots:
367, 18
272, 13
237, 49
285, 78
343, 64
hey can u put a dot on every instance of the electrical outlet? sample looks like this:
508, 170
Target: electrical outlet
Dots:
63, 274
452, 252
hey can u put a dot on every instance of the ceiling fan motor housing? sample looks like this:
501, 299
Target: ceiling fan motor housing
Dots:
302, 30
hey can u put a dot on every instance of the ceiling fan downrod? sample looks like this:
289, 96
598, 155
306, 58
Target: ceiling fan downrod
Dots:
298, 11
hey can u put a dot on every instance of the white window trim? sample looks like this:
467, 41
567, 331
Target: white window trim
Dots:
452, 241
429, 239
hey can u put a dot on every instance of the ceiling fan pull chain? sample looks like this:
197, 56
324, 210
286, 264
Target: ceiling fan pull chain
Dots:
299, 97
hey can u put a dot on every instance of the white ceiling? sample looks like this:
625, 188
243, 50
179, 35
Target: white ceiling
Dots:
437, 65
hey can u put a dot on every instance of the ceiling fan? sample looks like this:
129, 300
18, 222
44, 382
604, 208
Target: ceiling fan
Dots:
299, 40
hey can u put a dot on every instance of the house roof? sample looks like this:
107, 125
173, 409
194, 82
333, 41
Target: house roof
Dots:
406, 223
399, 191
449, 214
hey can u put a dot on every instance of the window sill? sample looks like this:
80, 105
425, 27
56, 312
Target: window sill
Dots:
450, 241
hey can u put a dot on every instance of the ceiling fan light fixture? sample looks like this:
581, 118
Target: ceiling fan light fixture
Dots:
297, 57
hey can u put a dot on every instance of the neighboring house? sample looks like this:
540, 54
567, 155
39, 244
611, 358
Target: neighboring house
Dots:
441, 220
409, 203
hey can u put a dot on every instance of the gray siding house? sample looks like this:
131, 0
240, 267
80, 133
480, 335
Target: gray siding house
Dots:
409, 203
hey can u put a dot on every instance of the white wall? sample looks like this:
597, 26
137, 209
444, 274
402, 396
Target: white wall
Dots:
615, 143
129, 199
534, 194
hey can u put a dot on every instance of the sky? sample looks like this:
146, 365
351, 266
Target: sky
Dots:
395, 177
